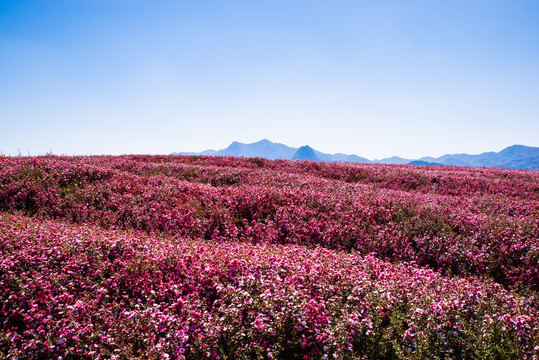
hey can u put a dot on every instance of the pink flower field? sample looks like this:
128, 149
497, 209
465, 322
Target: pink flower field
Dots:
176, 257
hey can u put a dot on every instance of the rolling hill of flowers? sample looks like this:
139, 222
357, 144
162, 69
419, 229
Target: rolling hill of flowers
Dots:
178, 257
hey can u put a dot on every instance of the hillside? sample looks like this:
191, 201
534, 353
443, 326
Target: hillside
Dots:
241, 258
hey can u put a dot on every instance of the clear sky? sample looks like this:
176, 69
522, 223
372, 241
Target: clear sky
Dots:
374, 78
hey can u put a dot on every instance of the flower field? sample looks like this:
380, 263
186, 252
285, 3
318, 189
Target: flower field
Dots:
174, 257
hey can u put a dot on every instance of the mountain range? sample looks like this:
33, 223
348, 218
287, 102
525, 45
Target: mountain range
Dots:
512, 157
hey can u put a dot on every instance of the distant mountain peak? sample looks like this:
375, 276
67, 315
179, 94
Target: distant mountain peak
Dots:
305, 153
512, 157
520, 151
234, 147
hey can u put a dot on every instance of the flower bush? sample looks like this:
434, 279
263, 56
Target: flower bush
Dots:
84, 292
480, 222
245, 258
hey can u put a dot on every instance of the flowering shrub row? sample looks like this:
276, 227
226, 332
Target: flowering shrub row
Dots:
490, 229
232, 170
78, 291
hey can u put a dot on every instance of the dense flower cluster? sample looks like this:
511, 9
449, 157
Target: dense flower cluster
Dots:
236, 258
78, 291
479, 222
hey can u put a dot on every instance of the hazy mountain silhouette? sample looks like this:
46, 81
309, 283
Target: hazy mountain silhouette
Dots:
269, 150
305, 153
393, 160
263, 148
423, 163
513, 157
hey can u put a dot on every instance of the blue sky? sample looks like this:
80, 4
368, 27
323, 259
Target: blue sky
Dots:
373, 78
